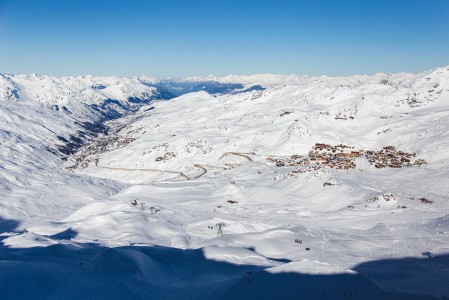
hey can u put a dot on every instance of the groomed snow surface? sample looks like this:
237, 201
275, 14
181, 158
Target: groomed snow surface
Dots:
136, 213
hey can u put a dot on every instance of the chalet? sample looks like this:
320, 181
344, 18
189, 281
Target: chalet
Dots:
420, 162
391, 148
280, 164
321, 158
395, 164
354, 154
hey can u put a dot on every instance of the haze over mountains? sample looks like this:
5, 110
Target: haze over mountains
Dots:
115, 187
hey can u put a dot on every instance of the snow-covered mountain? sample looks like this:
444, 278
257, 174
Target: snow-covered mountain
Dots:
408, 113
322, 187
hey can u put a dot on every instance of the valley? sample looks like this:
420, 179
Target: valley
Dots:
227, 187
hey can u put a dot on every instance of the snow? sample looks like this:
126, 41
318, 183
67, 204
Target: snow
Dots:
68, 228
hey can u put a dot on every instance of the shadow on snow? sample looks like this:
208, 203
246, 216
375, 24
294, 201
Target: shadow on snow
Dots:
91, 271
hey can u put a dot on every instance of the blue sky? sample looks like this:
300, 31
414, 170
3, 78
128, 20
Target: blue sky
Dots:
191, 37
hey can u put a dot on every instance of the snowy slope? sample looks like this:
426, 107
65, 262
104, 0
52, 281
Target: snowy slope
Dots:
44, 118
290, 229
199, 128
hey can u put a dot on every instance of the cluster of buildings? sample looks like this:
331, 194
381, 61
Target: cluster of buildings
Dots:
344, 157
390, 157
84, 156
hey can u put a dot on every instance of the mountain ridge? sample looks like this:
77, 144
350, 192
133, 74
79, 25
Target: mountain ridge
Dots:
251, 189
